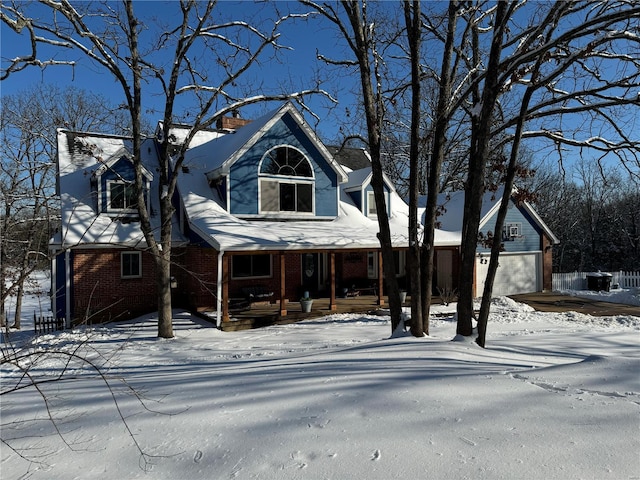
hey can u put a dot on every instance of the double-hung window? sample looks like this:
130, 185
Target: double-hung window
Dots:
122, 196
286, 182
372, 208
131, 265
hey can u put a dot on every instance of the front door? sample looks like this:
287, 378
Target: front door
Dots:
310, 267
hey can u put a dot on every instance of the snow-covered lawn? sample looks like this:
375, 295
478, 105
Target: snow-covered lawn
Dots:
554, 396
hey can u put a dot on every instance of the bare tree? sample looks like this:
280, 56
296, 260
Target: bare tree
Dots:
442, 117
594, 212
111, 36
27, 173
413, 24
569, 45
358, 29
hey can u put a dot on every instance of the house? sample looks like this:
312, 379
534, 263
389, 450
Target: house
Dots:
525, 264
263, 210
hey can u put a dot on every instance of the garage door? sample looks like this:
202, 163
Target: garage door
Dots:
517, 273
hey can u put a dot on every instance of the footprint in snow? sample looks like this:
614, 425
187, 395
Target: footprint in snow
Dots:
376, 455
198, 456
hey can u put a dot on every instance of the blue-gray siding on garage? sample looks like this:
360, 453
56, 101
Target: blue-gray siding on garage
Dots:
529, 240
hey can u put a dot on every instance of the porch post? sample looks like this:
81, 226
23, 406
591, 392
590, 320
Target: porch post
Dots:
283, 286
225, 288
380, 279
332, 292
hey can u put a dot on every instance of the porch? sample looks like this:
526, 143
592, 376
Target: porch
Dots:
263, 314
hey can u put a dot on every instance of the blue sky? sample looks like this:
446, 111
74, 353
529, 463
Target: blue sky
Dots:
295, 68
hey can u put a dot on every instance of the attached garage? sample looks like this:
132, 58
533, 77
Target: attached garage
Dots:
517, 273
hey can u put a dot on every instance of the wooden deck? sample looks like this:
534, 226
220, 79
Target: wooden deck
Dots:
265, 314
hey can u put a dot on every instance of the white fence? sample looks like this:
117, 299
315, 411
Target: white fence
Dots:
578, 280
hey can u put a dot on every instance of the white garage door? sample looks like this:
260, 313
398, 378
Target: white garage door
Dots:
517, 273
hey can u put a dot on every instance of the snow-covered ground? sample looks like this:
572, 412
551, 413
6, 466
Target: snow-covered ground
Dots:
554, 396
628, 296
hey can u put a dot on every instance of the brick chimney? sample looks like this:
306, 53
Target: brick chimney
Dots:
231, 123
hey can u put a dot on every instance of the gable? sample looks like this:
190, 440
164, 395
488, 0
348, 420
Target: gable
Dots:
245, 183
520, 232
451, 208
82, 159
221, 154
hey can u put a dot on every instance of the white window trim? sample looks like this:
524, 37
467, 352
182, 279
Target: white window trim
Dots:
109, 209
371, 201
513, 230
285, 145
291, 179
234, 277
122, 254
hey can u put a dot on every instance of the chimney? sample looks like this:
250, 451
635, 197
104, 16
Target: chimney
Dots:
231, 123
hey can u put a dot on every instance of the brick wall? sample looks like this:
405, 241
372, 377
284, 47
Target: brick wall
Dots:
197, 277
99, 292
351, 267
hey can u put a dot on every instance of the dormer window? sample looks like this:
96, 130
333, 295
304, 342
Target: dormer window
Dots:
121, 196
115, 186
372, 209
286, 182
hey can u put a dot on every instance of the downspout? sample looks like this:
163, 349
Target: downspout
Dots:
219, 292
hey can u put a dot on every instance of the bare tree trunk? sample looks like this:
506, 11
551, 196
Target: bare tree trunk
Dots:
483, 315
18, 312
437, 157
474, 188
163, 282
374, 113
414, 31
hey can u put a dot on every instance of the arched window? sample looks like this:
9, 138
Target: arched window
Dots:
286, 181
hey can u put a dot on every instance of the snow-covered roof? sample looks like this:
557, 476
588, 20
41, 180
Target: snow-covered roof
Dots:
362, 178
452, 204
79, 156
350, 229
